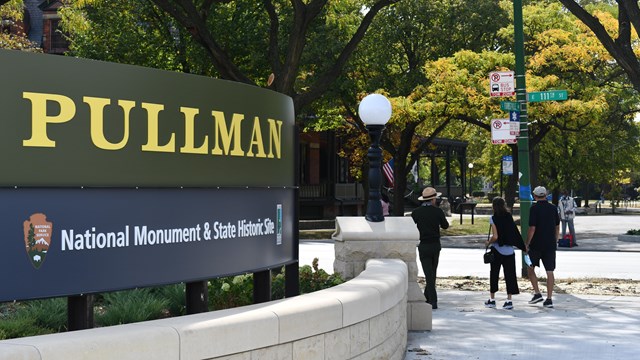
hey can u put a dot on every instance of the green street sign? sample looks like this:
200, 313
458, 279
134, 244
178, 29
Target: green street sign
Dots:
551, 95
509, 106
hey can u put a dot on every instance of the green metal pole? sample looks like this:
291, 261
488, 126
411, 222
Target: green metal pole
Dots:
523, 139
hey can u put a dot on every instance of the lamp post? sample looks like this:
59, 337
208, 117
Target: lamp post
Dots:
375, 111
470, 177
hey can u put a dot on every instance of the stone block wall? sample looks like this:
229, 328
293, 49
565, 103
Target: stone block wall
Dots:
364, 318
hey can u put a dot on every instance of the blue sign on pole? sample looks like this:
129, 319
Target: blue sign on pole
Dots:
514, 123
507, 165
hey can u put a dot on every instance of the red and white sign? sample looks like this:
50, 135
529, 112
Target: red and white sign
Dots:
501, 132
502, 83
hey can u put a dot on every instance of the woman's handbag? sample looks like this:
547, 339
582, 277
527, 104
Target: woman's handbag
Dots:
488, 254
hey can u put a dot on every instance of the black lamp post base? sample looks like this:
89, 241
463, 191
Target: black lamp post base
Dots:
374, 207
374, 218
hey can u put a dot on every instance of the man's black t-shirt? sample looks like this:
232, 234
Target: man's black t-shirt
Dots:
544, 217
429, 220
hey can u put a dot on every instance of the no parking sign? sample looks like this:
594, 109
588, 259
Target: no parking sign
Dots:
502, 83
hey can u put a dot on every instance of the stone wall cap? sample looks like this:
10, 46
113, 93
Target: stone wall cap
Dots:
357, 228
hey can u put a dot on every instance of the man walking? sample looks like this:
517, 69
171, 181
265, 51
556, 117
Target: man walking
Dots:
429, 218
567, 209
544, 226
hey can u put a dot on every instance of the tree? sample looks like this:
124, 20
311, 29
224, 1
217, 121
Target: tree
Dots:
133, 32
619, 42
401, 40
288, 27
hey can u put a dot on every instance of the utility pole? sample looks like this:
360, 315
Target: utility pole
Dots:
523, 139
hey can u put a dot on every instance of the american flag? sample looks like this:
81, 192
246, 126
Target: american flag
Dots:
387, 170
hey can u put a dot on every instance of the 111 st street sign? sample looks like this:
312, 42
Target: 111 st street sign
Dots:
551, 95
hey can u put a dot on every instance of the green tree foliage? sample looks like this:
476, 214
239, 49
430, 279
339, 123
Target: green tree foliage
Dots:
567, 55
305, 45
619, 40
401, 40
133, 32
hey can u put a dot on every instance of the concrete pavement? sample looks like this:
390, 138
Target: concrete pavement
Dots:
579, 327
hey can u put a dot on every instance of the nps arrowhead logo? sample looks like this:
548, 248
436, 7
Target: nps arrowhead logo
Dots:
37, 238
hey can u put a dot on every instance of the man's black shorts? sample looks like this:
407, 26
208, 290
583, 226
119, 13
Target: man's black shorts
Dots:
548, 258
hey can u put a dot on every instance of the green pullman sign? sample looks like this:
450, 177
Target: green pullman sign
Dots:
551, 95
116, 177
75, 122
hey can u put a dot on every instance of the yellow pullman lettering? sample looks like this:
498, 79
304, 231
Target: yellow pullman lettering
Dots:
227, 136
256, 140
96, 109
275, 138
223, 135
189, 133
40, 118
152, 130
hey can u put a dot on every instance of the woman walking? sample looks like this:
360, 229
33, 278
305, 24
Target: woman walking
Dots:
505, 235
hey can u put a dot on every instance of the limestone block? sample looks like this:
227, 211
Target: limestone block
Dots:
359, 336
360, 301
386, 324
336, 344
358, 228
19, 352
362, 250
412, 266
278, 352
240, 356
311, 348
346, 268
419, 316
124, 342
414, 293
306, 315
224, 332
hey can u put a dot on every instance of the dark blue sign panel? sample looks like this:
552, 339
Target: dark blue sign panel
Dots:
73, 241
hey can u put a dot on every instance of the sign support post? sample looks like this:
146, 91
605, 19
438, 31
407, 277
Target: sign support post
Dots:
80, 312
523, 139
197, 297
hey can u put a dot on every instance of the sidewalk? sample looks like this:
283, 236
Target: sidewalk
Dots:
579, 327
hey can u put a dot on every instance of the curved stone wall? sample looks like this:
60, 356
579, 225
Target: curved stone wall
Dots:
364, 318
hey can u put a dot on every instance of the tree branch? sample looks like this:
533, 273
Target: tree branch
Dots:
626, 59
187, 15
325, 80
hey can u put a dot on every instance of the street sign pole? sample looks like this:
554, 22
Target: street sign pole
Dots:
523, 139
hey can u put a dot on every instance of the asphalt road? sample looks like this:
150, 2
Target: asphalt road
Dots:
600, 254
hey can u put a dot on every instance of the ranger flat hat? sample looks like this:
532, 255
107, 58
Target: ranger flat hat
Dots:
429, 193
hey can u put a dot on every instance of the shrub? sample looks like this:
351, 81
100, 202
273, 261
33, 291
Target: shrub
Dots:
47, 316
313, 279
633, 232
229, 292
175, 296
18, 326
130, 306
47, 313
